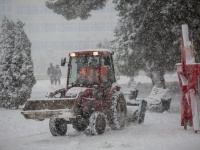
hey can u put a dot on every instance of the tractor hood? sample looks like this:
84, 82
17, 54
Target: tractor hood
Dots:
75, 91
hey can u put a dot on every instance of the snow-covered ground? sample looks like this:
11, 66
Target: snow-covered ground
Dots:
160, 131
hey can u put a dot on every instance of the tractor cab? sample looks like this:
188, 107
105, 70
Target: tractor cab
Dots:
90, 68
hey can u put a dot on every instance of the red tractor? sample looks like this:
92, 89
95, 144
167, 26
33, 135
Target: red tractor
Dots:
91, 97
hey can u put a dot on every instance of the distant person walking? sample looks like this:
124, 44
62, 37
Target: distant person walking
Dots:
51, 73
58, 74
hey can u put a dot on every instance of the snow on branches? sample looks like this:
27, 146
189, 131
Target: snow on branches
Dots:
16, 67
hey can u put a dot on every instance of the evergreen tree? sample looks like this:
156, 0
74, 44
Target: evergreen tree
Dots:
179, 12
148, 34
103, 44
16, 67
145, 39
127, 62
72, 9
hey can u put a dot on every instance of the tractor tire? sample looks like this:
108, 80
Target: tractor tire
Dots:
57, 126
79, 126
118, 111
97, 124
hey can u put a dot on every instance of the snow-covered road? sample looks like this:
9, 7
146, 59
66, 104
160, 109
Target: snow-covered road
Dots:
160, 131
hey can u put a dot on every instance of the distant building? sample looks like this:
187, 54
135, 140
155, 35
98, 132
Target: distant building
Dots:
52, 36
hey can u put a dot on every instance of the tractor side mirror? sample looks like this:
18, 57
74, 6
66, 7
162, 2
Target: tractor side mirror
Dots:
63, 61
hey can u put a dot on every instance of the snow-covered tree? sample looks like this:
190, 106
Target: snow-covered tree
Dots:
178, 12
148, 34
105, 44
72, 9
122, 43
16, 67
144, 40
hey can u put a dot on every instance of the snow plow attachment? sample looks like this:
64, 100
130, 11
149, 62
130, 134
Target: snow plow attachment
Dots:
41, 109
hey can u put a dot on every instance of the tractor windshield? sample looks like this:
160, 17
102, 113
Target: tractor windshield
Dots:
84, 70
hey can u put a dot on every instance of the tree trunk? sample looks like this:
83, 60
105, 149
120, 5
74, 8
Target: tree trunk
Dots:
152, 78
131, 80
161, 77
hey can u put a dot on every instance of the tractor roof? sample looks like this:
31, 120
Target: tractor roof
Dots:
91, 52
94, 50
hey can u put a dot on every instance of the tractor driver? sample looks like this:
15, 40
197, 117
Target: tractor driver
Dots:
91, 73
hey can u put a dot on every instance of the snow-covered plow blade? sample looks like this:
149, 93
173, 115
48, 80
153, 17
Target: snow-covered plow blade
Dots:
41, 109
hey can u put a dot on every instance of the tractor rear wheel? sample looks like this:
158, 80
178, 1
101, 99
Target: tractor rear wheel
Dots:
58, 126
118, 111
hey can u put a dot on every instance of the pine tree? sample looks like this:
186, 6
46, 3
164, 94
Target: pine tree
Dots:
148, 34
72, 9
127, 62
16, 67
179, 12
144, 40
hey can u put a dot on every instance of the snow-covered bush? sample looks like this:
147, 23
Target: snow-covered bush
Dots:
16, 66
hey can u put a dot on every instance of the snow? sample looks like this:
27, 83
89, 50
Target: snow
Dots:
160, 131
187, 45
95, 49
144, 79
73, 92
185, 33
16, 66
184, 80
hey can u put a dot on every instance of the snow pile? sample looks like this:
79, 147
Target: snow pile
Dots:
124, 80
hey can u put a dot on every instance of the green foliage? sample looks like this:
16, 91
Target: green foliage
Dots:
145, 39
72, 9
179, 12
16, 67
148, 35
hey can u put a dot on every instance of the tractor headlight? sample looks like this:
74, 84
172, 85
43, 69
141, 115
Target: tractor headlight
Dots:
95, 53
72, 54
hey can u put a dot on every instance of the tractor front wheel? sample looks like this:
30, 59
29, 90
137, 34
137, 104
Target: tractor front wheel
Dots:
58, 126
118, 111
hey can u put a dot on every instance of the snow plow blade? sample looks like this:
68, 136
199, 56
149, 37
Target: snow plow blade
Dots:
41, 109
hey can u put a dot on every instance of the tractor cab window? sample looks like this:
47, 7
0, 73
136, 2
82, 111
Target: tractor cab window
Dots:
84, 70
73, 71
107, 63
